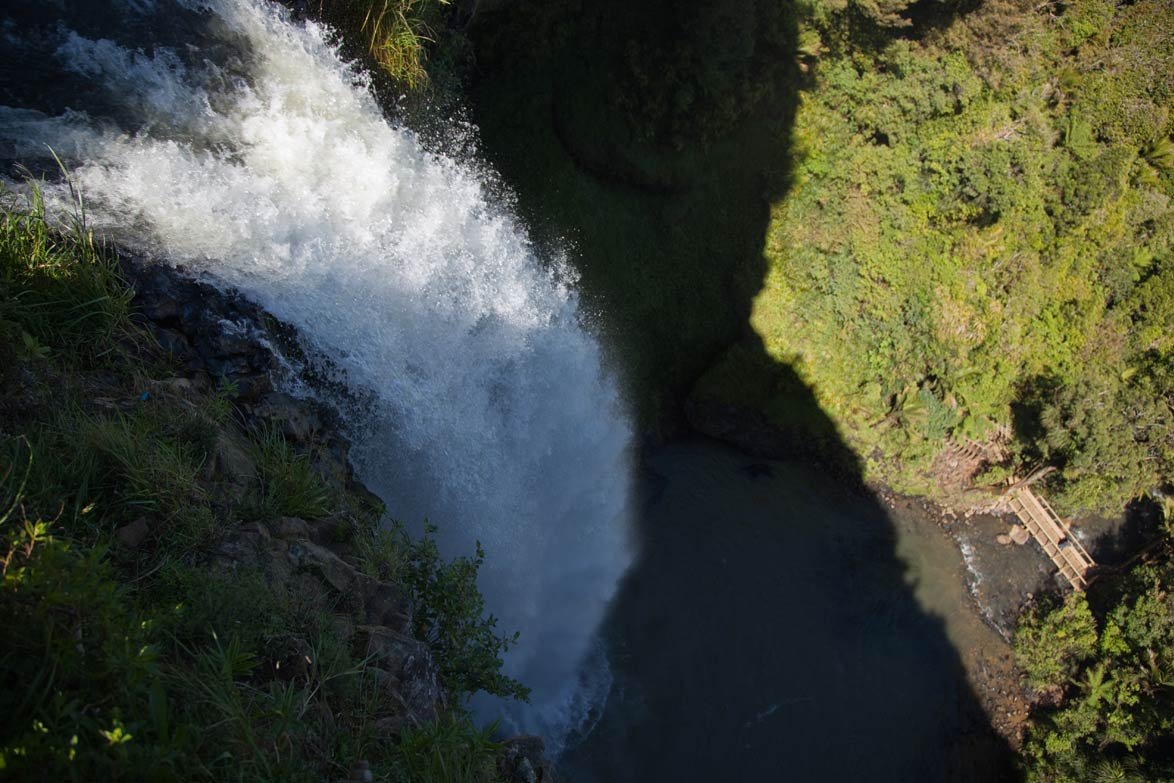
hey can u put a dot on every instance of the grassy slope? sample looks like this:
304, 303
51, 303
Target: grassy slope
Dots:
141, 661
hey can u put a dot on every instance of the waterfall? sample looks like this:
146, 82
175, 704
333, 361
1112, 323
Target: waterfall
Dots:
222, 135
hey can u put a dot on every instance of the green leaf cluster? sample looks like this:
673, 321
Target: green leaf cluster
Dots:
1110, 681
450, 610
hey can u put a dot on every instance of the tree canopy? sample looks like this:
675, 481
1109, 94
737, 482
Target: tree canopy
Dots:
978, 236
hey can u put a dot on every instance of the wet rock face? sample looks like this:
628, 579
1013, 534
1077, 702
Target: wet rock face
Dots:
221, 341
524, 760
212, 335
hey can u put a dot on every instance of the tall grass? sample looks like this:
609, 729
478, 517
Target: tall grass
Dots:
449, 751
59, 286
394, 32
289, 485
395, 38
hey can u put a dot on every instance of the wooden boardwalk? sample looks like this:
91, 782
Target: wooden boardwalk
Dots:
1053, 535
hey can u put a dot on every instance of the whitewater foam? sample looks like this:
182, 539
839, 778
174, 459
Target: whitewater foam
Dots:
274, 171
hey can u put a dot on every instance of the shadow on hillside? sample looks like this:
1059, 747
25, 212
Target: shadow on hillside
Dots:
620, 148
769, 628
1115, 542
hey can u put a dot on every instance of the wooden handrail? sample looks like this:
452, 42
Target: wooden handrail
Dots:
1051, 532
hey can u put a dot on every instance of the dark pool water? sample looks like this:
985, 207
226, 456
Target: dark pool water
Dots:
779, 626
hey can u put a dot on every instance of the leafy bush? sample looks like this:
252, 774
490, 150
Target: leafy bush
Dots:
1114, 677
1050, 646
450, 611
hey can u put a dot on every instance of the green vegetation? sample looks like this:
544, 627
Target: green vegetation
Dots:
977, 240
447, 752
395, 34
1108, 676
65, 293
126, 653
450, 611
976, 246
969, 243
969, 231
289, 485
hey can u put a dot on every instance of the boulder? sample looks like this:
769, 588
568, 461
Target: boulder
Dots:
343, 625
172, 342
249, 386
231, 461
385, 604
184, 388
291, 528
251, 546
406, 672
305, 567
523, 760
132, 536
305, 555
297, 419
331, 461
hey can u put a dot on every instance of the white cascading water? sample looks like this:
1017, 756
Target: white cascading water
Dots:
495, 417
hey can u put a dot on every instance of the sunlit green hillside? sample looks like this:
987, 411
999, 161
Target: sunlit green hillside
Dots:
977, 242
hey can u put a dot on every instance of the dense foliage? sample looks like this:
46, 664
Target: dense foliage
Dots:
146, 662
977, 239
1107, 681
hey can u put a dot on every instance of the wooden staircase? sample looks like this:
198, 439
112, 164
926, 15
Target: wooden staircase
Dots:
1052, 534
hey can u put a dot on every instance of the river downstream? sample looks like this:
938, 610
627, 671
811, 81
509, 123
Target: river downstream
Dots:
778, 626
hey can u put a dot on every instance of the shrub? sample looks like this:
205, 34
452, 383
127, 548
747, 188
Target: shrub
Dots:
1051, 645
450, 611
